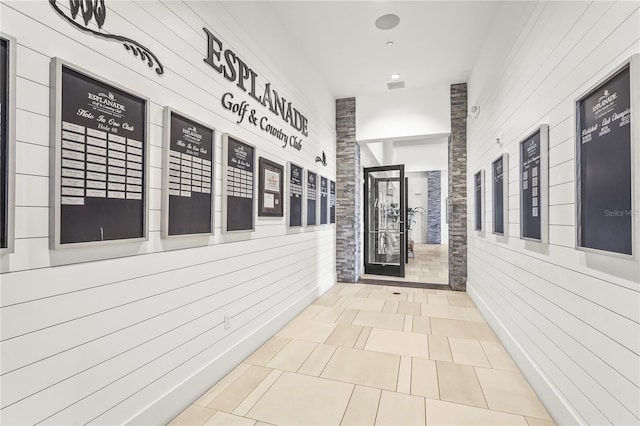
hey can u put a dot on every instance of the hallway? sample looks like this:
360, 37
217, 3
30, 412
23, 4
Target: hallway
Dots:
429, 265
365, 354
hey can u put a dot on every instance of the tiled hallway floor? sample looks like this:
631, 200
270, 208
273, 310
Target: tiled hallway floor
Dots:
364, 355
429, 264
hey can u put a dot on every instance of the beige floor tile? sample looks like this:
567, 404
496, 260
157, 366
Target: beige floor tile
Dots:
389, 294
408, 323
420, 298
475, 315
439, 349
327, 300
532, 421
296, 399
398, 342
379, 320
344, 335
424, 378
267, 351
379, 370
347, 316
438, 299
449, 413
292, 356
310, 330
193, 415
391, 306
510, 392
263, 424
363, 407
421, 325
329, 314
400, 409
237, 391
461, 299
225, 419
458, 383
498, 357
310, 312
409, 308
257, 393
404, 375
362, 339
318, 360
350, 290
464, 329
470, 352
364, 292
444, 311
363, 304
222, 384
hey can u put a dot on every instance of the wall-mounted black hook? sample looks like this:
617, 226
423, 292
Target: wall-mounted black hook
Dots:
322, 160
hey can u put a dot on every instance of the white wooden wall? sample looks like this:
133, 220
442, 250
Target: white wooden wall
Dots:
569, 318
135, 333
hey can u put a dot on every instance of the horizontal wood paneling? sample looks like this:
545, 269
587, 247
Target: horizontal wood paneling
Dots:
571, 318
104, 334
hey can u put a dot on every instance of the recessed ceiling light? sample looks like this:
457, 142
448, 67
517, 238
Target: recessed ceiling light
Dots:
389, 43
395, 76
386, 22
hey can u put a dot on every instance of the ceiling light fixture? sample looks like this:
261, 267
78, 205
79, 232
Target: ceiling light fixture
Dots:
395, 76
389, 43
387, 22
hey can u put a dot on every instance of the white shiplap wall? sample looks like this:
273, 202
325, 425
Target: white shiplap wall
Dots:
136, 332
569, 318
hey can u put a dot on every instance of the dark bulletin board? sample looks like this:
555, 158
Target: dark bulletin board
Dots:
295, 195
101, 159
531, 188
603, 159
239, 185
332, 202
4, 143
499, 171
189, 176
312, 195
478, 191
271, 184
324, 192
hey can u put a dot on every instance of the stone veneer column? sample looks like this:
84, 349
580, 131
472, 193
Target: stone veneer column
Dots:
434, 217
458, 188
348, 193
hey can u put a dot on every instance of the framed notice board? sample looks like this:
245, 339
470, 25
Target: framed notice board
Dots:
604, 159
7, 140
238, 184
324, 200
534, 187
271, 188
312, 195
99, 164
500, 188
188, 178
295, 195
332, 202
478, 200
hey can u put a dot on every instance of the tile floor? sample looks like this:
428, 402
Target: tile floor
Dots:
376, 355
429, 265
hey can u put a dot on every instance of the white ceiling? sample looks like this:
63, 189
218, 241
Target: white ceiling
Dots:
436, 42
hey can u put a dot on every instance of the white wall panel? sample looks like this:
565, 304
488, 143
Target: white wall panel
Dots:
109, 334
570, 319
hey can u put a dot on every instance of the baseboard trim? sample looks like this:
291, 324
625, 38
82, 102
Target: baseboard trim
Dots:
167, 406
555, 403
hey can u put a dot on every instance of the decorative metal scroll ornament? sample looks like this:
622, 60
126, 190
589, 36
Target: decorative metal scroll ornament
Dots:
322, 160
96, 9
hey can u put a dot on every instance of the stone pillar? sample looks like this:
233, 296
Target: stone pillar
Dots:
434, 218
458, 188
348, 193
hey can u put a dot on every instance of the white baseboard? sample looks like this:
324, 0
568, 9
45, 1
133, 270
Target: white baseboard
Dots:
557, 406
165, 408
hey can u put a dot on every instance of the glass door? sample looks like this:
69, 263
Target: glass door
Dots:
384, 239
